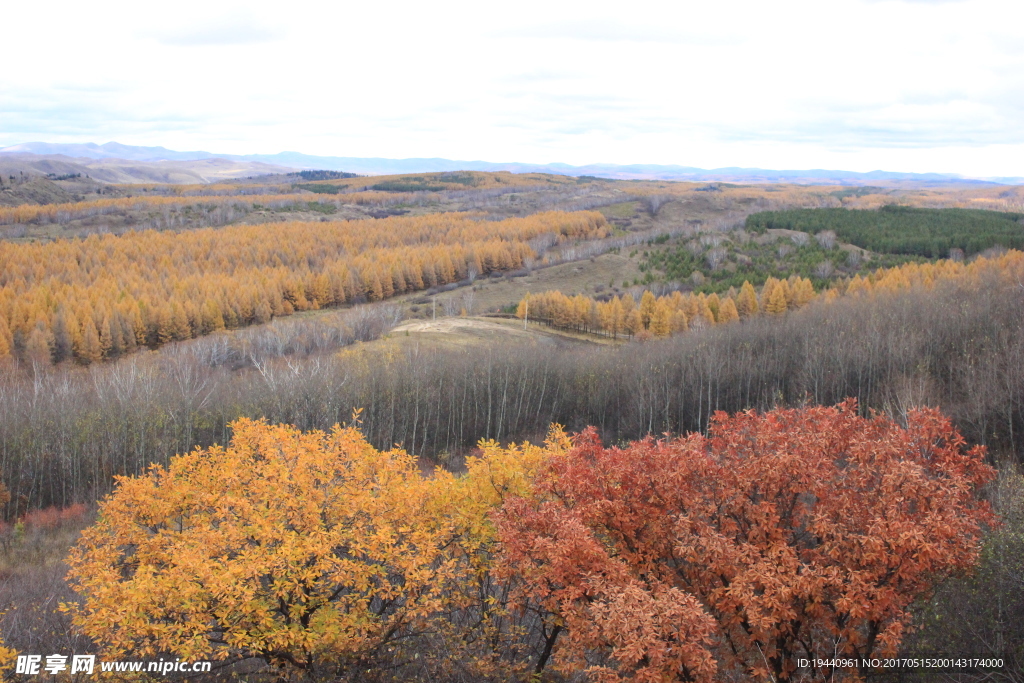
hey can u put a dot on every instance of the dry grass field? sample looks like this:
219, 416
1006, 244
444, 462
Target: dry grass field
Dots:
465, 332
604, 273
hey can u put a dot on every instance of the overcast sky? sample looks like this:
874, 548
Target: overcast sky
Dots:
845, 84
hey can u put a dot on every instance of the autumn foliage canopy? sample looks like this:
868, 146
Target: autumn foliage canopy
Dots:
793, 534
302, 549
95, 298
801, 533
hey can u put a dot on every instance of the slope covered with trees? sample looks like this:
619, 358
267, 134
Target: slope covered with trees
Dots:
65, 432
98, 298
260, 541
661, 316
715, 262
902, 229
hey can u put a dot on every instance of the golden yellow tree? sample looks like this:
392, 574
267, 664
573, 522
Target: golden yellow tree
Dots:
704, 311
714, 304
211, 318
803, 292
484, 635
727, 312
311, 551
661, 319
91, 350
633, 323
647, 302
679, 322
766, 292
857, 286
787, 290
179, 326
523, 309
777, 303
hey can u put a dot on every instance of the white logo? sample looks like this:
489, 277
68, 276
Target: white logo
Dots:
28, 664
55, 664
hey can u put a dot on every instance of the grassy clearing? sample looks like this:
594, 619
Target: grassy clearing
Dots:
464, 332
623, 210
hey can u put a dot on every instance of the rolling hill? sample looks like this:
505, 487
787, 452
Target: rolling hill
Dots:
381, 166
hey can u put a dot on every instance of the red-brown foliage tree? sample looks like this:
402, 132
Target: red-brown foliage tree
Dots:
794, 534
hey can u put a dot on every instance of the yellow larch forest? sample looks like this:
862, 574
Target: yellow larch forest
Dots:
106, 295
673, 313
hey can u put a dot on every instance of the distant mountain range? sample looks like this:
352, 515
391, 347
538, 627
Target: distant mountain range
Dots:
380, 166
132, 171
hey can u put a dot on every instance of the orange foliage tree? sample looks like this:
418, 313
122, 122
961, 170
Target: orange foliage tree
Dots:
802, 533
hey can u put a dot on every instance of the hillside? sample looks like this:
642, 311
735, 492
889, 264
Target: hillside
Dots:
115, 170
381, 166
77, 204
388, 304
905, 230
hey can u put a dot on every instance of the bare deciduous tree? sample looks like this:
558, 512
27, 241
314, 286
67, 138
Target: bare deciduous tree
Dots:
713, 240
824, 270
715, 258
654, 202
800, 239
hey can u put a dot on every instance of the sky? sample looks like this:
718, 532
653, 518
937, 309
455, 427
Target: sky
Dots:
858, 85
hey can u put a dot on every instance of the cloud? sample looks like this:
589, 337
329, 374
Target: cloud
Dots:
222, 31
959, 124
617, 31
715, 84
